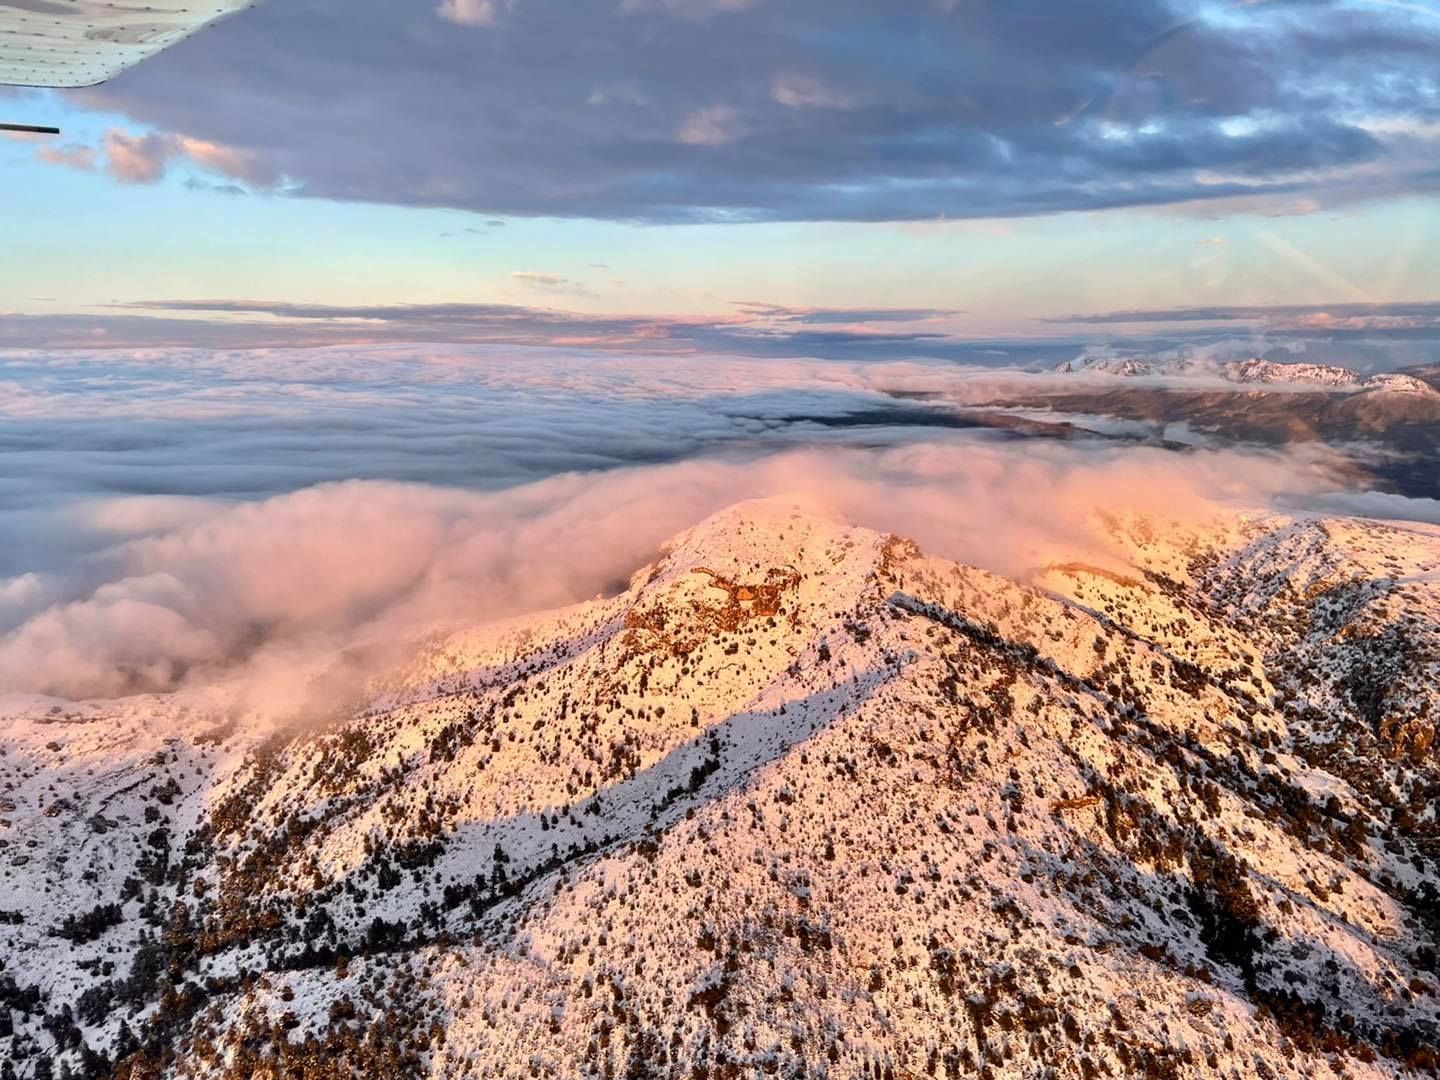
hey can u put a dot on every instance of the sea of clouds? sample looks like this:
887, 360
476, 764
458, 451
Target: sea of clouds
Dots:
177, 517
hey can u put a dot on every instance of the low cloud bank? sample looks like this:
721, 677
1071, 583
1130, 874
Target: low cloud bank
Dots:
194, 591
184, 517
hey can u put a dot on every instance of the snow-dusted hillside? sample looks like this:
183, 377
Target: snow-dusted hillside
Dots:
1253, 372
803, 801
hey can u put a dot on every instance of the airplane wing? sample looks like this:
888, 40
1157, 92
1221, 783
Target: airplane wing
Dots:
69, 43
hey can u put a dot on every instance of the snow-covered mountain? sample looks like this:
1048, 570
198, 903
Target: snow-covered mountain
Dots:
802, 801
1399, 383
1267, 372
1107, 365
1253, 372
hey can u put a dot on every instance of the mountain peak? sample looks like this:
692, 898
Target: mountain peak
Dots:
802, 793
1399, 383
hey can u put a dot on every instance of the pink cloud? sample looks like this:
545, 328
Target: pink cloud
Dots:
280, 587
71, 155
712, 126
469, 12
227, 161
145, 159
138, 159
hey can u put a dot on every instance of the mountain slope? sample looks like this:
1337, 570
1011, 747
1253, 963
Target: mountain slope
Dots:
803, 801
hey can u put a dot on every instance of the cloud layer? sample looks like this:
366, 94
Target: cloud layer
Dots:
1366, 336
77, 427
687, 110
271, 590
182, 515
751, 328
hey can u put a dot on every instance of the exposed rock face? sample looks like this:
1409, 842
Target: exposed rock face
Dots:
803, 801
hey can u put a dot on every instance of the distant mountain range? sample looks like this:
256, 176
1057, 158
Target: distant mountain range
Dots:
1256, 372
1387, 424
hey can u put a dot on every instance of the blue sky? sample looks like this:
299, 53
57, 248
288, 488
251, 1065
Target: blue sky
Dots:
1007, 163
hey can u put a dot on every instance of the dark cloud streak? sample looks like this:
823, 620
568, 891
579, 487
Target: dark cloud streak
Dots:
753, 330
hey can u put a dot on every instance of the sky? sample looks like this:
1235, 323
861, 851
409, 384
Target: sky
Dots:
996, 166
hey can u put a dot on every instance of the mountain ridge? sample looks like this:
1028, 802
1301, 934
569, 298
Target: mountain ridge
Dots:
1254, 372
802, 800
